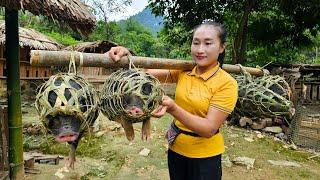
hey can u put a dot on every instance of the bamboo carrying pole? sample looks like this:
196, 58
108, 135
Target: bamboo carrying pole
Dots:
13, 89
62, 58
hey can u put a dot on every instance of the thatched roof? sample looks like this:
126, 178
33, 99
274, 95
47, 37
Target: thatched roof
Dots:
32, 39
93, 47
73, 12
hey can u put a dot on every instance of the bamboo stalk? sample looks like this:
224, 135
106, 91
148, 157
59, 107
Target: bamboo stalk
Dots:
62, 58
13, 89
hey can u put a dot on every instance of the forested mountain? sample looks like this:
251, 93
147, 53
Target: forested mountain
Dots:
147, 19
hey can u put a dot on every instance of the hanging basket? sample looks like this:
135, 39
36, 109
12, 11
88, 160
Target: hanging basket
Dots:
127, 85
67, 94
267, 96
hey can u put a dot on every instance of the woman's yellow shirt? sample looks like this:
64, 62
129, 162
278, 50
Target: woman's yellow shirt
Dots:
196, 93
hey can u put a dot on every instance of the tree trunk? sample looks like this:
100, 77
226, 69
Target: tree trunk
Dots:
239, 44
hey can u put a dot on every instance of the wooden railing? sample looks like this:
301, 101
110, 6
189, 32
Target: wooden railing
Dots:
26, 70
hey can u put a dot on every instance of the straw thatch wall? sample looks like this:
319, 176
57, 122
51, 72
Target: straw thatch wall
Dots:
73, 12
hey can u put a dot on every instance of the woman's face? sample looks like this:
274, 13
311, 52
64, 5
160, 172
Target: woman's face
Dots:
206, 47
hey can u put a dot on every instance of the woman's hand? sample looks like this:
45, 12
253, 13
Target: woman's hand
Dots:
167, 105
117, 52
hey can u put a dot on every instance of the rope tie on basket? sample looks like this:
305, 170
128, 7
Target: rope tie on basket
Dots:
72, 64
80, 59
131, 65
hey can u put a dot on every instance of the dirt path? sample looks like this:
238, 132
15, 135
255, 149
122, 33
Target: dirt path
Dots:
111, 156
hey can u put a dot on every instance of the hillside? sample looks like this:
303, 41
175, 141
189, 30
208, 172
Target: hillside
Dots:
149, 20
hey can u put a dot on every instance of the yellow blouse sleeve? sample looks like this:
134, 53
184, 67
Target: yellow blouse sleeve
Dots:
225, 98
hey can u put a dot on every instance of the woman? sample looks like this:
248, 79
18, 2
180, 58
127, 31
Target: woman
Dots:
204, 98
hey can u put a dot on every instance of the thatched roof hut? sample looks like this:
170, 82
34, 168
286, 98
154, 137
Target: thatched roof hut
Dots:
93, 47
73, 12
31, 38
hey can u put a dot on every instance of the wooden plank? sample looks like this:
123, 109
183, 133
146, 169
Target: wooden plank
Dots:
32, 72
1, 68
42, 158
318, 93
23, 71
32, 170
28, 161
314, 92
4, 133
308, 97
41, 72
23, 54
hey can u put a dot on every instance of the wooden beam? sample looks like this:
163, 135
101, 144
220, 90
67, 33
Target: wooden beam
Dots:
62, 58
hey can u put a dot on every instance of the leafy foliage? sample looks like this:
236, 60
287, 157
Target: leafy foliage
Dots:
268, 29
104, 9
285, 31
105, 31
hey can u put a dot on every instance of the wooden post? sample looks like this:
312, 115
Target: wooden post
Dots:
4, 138
14, 93
62, 58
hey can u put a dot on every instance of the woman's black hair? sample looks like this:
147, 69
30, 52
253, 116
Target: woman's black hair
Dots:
222, 35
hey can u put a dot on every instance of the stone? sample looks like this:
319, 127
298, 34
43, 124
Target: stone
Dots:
284, 163
144, 152
260, 136
244, 161
273, 129
249, 139
226, 162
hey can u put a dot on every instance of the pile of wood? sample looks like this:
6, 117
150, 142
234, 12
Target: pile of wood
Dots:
30, 158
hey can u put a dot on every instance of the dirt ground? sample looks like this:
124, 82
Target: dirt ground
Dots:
106, 154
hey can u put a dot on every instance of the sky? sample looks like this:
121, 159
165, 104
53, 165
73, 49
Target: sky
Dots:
136, 6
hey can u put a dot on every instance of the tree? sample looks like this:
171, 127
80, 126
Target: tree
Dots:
105, 31
247, 20
104, 9
137, 38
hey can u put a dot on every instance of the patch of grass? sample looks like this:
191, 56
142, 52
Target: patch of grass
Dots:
89, 146
266, 146
304, 174
112, 156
